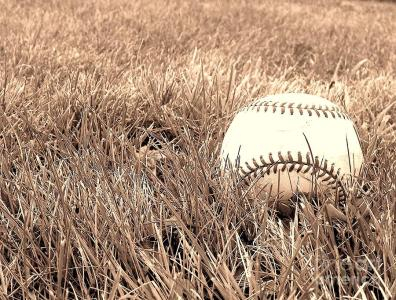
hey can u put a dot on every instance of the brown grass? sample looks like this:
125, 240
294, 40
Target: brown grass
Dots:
112, 115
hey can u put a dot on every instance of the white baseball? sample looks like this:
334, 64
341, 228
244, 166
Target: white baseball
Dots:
287, 142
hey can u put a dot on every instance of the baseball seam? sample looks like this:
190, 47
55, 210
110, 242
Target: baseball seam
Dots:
325, 172
292, 108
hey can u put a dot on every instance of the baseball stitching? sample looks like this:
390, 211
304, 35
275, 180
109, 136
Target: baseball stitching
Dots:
326, 172
291, 108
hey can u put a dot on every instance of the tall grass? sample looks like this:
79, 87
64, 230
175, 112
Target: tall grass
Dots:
112, 114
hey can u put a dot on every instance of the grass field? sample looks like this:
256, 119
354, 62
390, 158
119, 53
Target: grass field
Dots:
112, 115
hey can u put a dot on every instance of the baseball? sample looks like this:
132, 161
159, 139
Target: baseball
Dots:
293, 143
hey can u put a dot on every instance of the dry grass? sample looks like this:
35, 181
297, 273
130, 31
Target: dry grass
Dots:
112, 114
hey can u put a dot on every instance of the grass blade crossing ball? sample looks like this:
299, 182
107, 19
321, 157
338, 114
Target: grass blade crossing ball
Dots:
290, 143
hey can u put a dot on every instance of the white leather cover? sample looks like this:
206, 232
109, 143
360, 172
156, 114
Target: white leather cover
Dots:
279, 138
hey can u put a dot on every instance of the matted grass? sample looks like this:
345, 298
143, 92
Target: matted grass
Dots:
112, 114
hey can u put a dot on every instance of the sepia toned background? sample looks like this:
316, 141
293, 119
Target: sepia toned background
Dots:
112, 115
